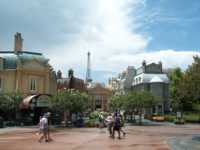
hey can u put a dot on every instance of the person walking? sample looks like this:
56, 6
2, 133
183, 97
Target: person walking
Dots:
109, 121
40, 126
117, 125
44, 128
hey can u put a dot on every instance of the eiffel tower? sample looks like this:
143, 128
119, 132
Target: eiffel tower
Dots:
88, 79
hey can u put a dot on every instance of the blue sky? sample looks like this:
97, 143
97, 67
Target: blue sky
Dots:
172, 24
118, 33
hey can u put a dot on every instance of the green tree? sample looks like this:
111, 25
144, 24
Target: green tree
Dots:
185, 86
129, 104
9, 105
144, 100
5, 103
192, 81
115, 102
176, 85
70, 101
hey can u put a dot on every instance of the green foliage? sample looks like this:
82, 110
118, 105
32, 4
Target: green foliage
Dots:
70, 100
9, 104
115, 102
94, 115
133, 101
185, 87
6, 103
176, 78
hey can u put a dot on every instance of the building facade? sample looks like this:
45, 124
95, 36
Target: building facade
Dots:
148, 77
123, 82
99, 95
151, 78
25, 72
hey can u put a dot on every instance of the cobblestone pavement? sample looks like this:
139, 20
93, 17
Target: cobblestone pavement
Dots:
138, 138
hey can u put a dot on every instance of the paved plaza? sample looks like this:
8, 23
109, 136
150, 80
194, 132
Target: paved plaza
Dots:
154, 137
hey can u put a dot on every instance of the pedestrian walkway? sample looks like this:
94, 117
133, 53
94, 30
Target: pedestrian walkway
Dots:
138, 138
185, 143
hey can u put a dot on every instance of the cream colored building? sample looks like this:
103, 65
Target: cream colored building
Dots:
26, 72
100, 96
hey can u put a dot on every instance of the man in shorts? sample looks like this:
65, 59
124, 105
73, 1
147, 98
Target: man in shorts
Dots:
44, 128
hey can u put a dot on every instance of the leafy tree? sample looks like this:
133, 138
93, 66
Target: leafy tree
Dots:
144, 100
133, 101
185, 87
115, 102
5, 103
176, 79
70, 101
129, 104
9, 105
192, 81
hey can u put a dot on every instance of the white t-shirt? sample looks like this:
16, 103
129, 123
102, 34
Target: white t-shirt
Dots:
43, 123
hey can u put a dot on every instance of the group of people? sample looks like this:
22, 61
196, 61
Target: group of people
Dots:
44, 128
115, 123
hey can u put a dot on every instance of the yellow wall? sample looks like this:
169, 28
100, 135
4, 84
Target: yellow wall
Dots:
8, 80
19, 80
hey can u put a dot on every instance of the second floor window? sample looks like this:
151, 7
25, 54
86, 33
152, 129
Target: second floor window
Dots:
33, 85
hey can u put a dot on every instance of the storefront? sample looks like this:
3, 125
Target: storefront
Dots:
34, 106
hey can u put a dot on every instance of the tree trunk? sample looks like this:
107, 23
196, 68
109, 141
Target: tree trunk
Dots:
134, 117
140, 117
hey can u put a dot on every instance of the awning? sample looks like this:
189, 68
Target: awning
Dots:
26, 102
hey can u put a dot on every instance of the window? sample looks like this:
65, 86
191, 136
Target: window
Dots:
140, 80
33, 85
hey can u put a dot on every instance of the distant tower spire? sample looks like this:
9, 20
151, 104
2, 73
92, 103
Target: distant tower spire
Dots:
88, 72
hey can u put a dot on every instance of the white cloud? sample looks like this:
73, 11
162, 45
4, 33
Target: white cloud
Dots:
106, 32
66, 30
169, 58
113, 43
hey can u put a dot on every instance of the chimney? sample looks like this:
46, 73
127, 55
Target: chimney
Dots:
18, 42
